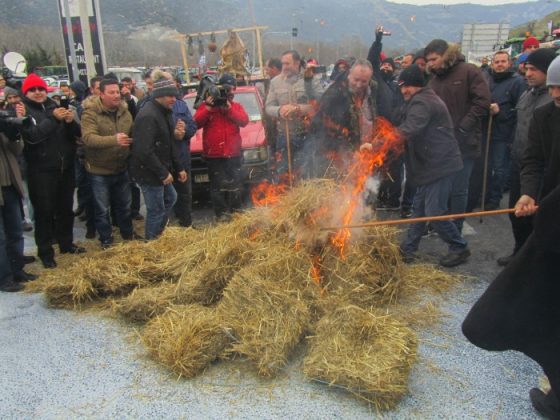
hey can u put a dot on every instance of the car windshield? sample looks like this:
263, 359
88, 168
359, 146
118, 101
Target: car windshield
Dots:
247, 99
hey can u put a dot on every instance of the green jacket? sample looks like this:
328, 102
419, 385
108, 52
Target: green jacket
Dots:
104, 156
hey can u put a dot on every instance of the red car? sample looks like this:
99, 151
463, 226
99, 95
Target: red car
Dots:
254, 146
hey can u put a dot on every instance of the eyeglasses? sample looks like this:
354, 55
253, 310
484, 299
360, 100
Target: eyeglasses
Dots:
37, 89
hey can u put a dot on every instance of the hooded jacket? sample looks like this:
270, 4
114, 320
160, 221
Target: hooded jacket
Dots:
465, 92
103, 155
50, 144
154, 151
431, 148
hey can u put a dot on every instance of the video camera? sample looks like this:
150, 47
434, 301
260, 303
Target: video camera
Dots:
9, 118
209, 87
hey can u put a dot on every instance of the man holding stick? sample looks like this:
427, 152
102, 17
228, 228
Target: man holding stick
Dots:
433, 159
288, 101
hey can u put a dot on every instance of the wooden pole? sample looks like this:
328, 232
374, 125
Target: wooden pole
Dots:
485, 171
421, 219
259, 49
289, 150
185, 60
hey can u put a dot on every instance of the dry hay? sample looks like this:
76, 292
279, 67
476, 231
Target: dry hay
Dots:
146, 303
266, 318
369, 353
186, 339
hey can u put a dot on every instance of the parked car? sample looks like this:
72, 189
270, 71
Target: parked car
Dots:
254, 146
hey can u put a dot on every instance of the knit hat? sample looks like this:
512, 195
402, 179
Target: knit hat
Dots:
541, 58
553, 75
412, 76
79, 89
164, 87
531, 42
10, 91
390, 61
32, 81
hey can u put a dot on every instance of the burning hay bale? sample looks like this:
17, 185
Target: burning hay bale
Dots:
266, 318
186, 339
368, 353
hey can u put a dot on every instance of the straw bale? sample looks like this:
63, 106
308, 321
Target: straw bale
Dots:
369, 353
146, 303
266, 318
185, 338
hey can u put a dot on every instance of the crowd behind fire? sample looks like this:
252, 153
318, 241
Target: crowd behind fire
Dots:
113, 142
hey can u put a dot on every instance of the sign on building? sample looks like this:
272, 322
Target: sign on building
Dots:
483, 39
85, 48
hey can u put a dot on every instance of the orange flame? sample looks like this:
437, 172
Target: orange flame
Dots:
385, 144
316, 269
267, 193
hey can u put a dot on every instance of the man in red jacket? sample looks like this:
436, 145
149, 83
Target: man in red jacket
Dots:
221, 141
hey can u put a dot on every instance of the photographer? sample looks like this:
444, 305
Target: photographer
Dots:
221, 141
11, 232
50, 147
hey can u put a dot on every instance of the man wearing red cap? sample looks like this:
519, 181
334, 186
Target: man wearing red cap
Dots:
530, 44
50, 147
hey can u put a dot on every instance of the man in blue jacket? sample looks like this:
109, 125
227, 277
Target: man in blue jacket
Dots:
433, 159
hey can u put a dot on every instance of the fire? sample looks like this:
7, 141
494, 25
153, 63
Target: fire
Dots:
267, 193
386, 144
316, 269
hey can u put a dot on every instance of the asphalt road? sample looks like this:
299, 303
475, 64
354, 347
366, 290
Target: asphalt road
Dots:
64, 364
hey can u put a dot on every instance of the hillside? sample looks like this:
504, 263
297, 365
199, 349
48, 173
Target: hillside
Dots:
412, 26
538, 27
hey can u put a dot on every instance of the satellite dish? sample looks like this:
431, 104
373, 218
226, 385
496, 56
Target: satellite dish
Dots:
16, 63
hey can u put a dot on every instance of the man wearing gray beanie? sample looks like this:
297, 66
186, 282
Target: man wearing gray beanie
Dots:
155, 159
536, 67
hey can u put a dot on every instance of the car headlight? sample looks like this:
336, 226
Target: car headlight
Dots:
255, 155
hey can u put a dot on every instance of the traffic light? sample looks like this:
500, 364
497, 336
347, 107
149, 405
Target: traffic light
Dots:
294, 32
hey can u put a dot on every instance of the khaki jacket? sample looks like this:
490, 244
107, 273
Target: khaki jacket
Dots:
100, 126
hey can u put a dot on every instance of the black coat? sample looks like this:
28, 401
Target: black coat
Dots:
154, 153
50, 145
540, 166
519, 310
432, 151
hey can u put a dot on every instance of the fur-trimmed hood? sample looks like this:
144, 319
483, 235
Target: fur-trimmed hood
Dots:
451, 57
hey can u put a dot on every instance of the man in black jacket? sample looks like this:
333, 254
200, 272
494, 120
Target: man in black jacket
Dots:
155, 159
433, 159
50, 148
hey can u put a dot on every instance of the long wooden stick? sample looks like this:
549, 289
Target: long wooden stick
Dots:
485, 172
289, 150
421, 219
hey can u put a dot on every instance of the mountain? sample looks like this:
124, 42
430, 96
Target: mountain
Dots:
411, 26
538, 27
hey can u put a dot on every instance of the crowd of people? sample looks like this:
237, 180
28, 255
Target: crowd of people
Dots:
463, 127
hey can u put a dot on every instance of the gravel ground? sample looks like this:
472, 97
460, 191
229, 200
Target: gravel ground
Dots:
64, 364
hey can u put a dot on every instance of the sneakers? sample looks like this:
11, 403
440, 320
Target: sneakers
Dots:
454, 259
503, 261
546, 404
11, 286
74, 249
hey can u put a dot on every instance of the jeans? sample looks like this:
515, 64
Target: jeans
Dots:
52, 196
409, 192
183, 206
297, 152
111, 192
499, 168
225, 184
159, 200
11, 235
432, 200
460, 192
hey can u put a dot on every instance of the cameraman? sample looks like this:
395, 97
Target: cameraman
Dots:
11, 232
221, 141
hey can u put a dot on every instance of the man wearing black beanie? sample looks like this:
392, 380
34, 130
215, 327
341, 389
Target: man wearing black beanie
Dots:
536, 67
433, 159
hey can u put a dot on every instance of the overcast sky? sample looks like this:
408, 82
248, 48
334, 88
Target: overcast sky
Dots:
485, 2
